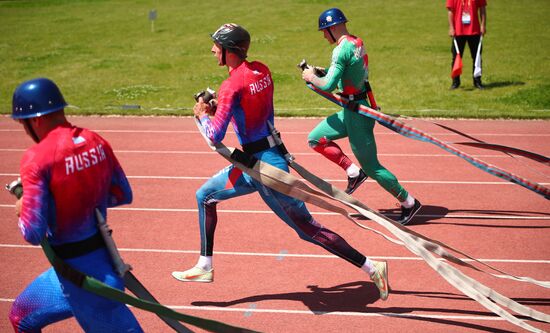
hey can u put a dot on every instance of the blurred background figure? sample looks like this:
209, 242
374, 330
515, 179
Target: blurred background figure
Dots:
467, 24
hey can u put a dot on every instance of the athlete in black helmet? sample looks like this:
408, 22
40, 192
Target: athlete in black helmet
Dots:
233, 38
245, 99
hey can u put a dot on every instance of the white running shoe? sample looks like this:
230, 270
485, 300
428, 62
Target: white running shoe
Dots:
380, 279
195, 274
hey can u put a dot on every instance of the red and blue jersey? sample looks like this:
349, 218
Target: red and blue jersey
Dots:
245, 100
68, 174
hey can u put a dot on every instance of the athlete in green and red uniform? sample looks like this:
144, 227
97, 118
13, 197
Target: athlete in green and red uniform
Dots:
348, 72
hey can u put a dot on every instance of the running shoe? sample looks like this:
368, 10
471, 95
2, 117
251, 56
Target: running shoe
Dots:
195, 274
408, 213
354, 182
380, 278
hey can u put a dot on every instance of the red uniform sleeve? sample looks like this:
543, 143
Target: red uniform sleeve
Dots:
37, 205
120, 191
228, 97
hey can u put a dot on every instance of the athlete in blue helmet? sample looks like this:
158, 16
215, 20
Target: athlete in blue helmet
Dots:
330, 18
349, 72
66, 175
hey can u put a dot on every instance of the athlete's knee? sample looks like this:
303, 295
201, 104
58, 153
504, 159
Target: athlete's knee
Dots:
305, 237
14, 319
21, 322
380, 174
203, 196
373, 169
315, 232
200, 195
15, 316
308, 229
312, 143
317, 143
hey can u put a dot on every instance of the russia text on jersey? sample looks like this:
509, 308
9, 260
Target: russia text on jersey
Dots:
260, 85
84, 160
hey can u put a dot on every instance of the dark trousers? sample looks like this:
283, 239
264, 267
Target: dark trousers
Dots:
473, 42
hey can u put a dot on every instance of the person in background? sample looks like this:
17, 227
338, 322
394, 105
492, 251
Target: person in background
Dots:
467, 23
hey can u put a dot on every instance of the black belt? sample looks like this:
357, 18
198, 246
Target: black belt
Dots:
80, 248
246, 156
259, 145
353, 99
357, 97
249, 149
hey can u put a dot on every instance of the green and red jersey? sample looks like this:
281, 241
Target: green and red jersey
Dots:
349, 68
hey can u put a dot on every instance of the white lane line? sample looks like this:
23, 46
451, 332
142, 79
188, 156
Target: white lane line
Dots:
299, 132
337, 313
238, 211
308, 312
205, 152
449, 182
242, 211
293, 255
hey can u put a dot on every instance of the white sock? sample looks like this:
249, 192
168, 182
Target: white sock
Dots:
205, 262
368, 267
409, 202
353, 171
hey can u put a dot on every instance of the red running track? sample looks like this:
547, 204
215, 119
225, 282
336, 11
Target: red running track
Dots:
268, 279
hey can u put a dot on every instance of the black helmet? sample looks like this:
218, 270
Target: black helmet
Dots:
233, 38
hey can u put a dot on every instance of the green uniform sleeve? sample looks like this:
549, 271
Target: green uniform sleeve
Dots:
336, 69
348, 69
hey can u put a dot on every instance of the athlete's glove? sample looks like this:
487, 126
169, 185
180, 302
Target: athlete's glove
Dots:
15, 188
209, 97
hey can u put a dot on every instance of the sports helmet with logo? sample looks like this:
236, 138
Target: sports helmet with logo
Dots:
331, 17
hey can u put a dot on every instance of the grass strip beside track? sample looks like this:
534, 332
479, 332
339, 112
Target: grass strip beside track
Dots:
107, 60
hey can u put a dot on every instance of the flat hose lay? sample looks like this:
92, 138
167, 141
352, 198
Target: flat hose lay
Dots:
418, 244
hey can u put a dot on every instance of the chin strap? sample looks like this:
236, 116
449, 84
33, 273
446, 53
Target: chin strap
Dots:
30, 130
331, 35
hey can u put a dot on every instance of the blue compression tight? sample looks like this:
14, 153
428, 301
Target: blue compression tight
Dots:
231, 182
49, 299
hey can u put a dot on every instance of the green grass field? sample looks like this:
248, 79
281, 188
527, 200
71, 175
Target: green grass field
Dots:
104, 54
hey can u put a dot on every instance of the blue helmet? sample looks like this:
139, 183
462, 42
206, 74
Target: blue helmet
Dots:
331, 17
35, 98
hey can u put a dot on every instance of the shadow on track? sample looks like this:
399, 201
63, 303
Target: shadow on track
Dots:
359, 295
429, 214
353, 296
